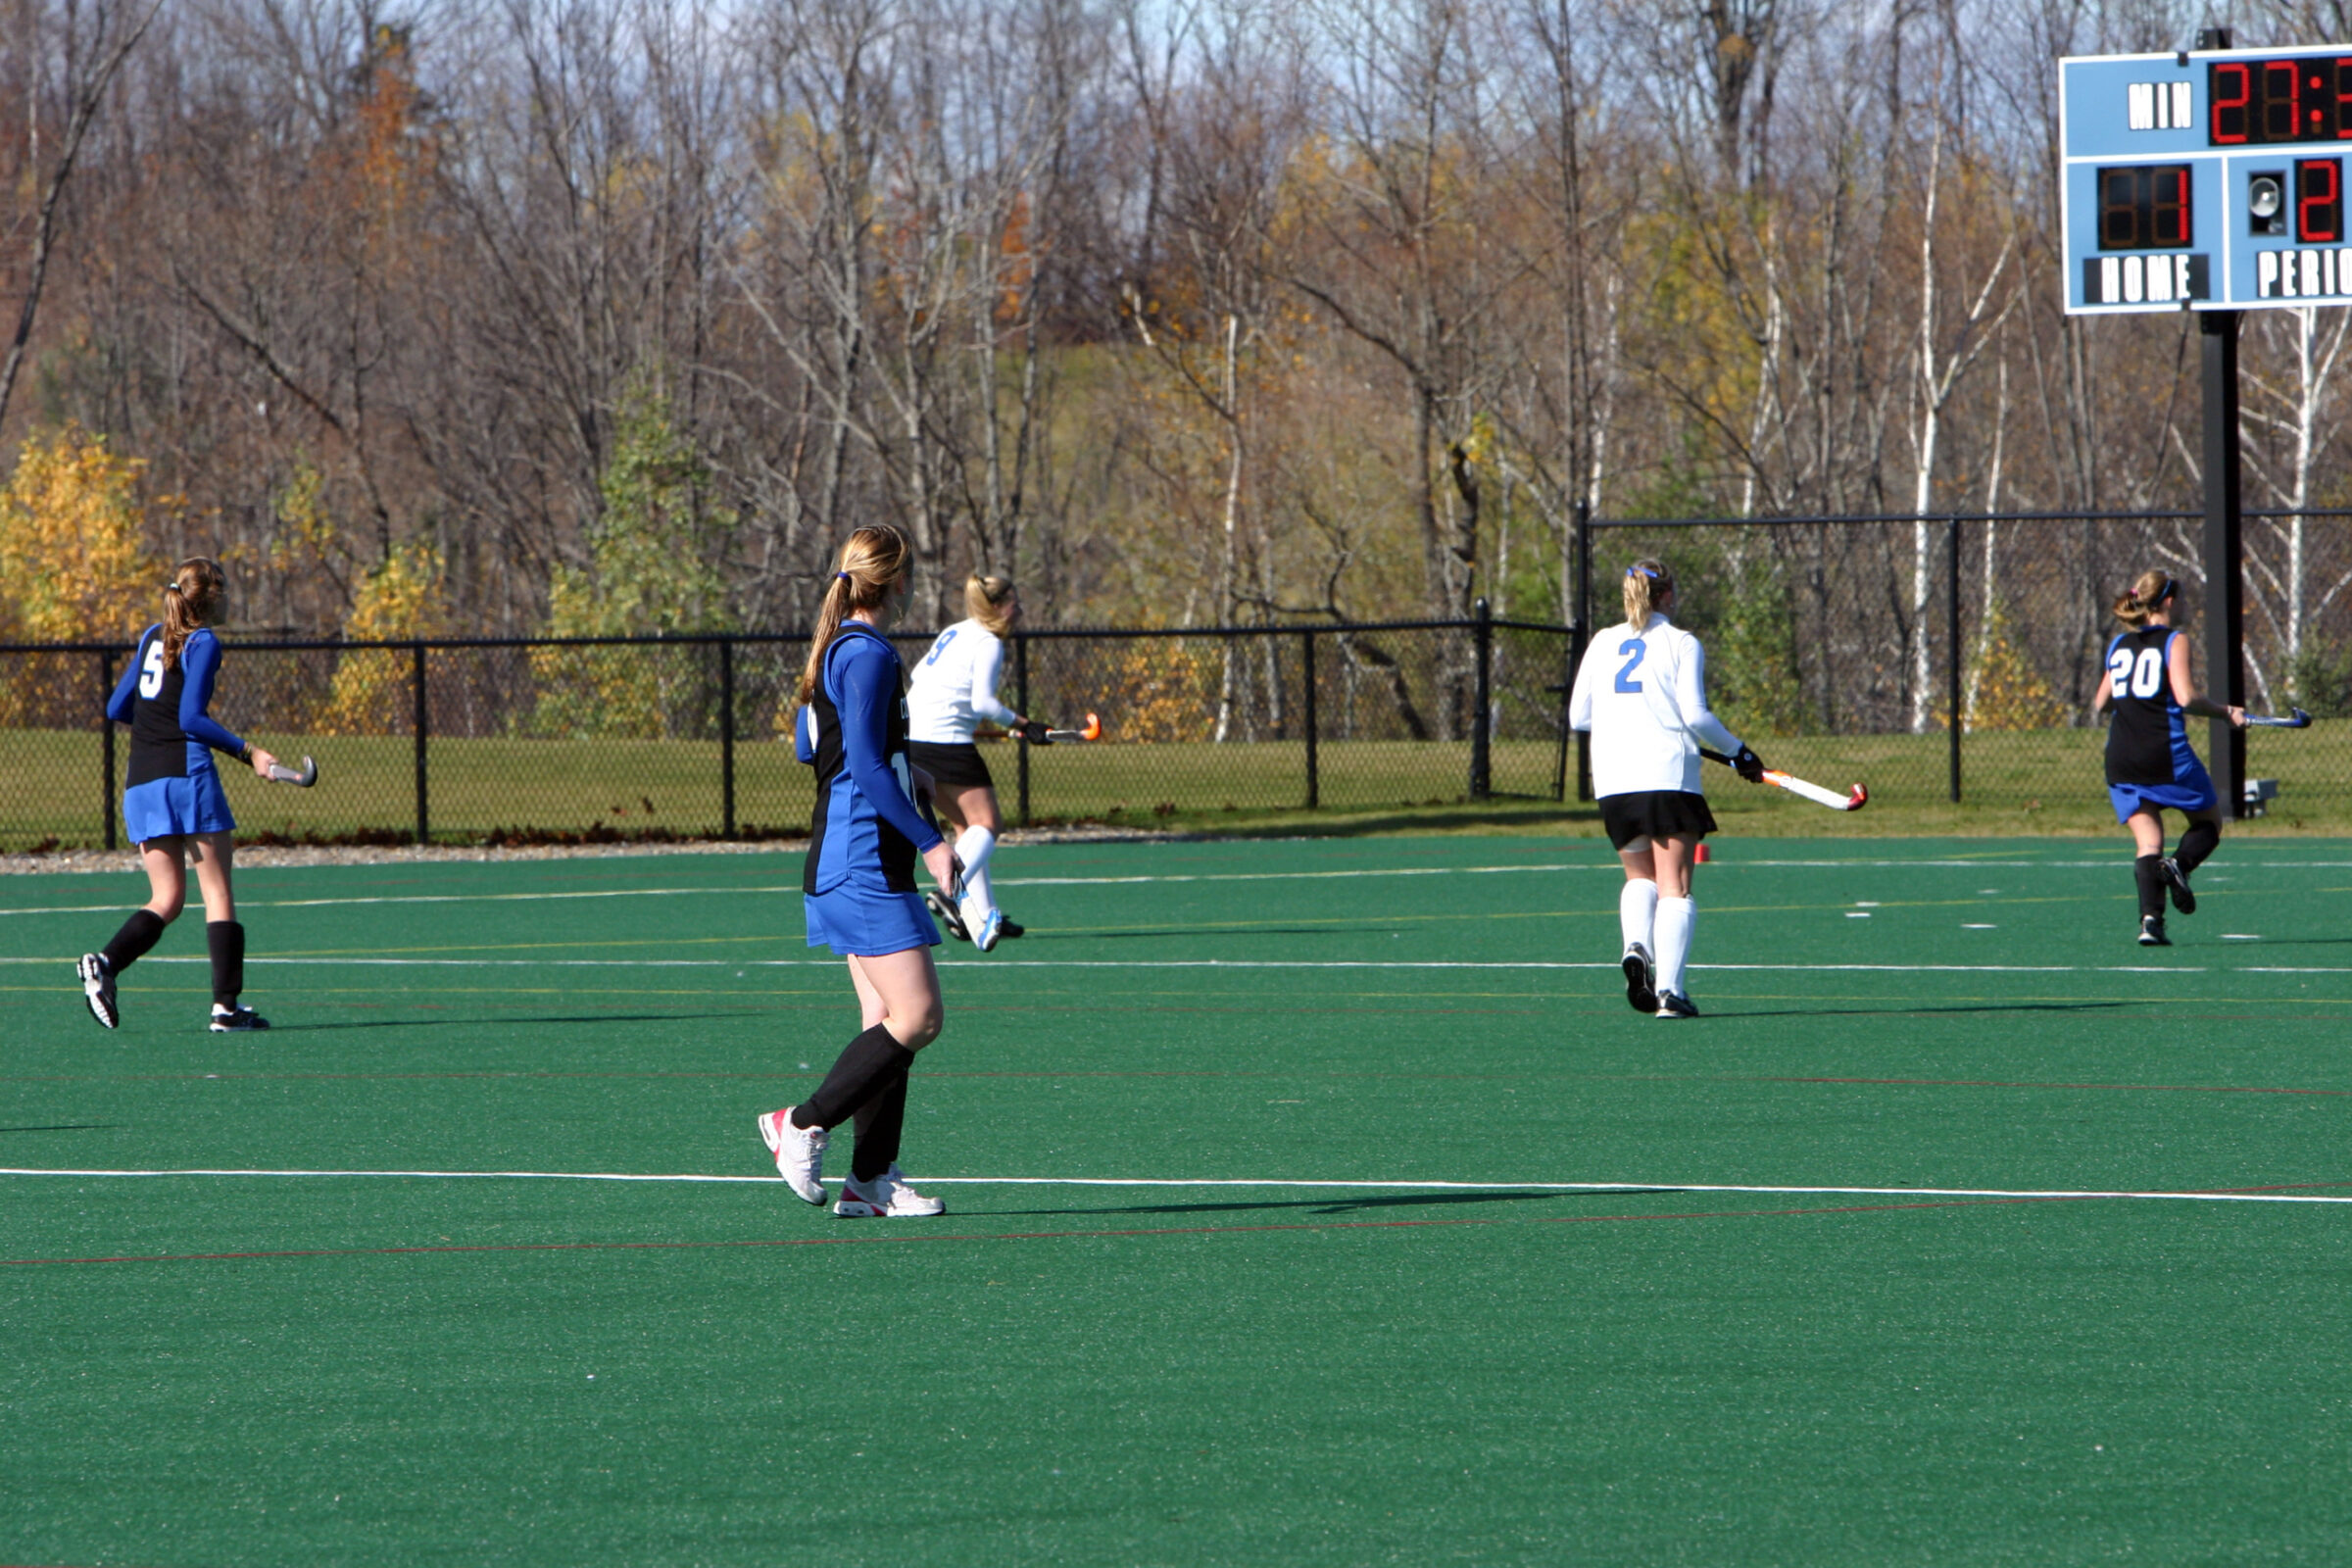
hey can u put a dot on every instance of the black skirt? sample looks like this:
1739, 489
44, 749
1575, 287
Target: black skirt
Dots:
1656, 814
954, 766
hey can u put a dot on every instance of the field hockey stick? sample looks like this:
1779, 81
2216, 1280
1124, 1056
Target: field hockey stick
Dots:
2297, 720
301, 778
1797, 786
1092, 731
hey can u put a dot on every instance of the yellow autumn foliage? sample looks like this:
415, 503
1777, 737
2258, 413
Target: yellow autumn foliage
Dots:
73, 565
2004, 691
371, 692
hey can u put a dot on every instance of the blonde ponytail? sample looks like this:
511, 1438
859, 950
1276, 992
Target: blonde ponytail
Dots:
986, 600
1648, 585
871, 564
2139, 602
191, 599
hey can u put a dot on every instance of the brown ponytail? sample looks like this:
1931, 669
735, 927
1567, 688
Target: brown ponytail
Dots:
2147, 591
191, 599
1648, 585
871, 564
985, 599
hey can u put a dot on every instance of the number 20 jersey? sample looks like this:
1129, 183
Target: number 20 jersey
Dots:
2148, 743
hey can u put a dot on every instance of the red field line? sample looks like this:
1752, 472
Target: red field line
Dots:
1041, 1235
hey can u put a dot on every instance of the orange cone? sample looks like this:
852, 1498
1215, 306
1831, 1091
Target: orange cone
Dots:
1702, 856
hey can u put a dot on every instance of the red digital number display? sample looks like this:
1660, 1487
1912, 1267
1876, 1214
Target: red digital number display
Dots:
2144, 207
2258, 101
2320, 201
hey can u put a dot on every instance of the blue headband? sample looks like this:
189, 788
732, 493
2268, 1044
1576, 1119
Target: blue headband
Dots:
1641, 571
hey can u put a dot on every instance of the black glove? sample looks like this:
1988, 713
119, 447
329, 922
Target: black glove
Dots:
1032, 730
1748, 765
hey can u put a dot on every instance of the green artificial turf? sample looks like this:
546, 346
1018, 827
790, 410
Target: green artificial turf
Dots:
270, 1369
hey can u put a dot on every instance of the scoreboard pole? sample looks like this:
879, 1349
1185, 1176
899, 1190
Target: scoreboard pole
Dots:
2225, 566
2224, 574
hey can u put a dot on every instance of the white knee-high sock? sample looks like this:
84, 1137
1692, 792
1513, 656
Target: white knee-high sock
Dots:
973, 846
1637, 911
1677, 919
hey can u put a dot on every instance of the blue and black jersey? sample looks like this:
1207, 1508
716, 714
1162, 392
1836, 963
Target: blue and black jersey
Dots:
854, 732
172, 735
2148, 742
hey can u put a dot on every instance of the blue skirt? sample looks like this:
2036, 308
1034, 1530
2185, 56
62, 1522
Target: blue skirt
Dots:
868, 923
170, 807
2192, 791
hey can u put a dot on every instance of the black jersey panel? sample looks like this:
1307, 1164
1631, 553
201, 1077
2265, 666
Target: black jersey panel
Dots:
158, 747
2140, 742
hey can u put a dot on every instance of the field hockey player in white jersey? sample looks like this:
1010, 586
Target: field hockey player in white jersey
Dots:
1642, 691
953, 692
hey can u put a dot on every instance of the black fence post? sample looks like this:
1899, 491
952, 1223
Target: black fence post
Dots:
726, 737
1482, 723
424, 821
1951, 632
1581, 639
1020, 699
105, 746
1306, 665
1566, 689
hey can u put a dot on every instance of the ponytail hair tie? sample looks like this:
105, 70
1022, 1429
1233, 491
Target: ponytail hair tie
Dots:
172, 588
842, 575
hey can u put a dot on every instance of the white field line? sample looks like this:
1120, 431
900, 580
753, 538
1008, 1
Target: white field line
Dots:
1210, 963
977, 963
2185, 1197
1202, 876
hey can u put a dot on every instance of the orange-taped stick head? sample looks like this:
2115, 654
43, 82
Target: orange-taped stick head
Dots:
1093, 730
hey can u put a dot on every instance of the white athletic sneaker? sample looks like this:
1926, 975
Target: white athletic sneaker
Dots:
98, 988
886, 1196
799, 1153
991, 927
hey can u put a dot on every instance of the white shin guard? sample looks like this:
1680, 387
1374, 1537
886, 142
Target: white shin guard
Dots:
974, 845
1677, 919
1637, 911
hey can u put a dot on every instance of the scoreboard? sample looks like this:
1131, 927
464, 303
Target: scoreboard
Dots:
2206, 180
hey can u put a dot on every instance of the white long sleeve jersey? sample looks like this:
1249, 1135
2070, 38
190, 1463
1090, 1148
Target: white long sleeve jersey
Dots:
1644, 699
954, 686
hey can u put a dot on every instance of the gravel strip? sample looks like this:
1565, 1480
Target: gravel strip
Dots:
272, 854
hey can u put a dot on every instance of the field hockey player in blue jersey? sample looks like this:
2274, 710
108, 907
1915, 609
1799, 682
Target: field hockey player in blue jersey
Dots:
174, 807
2151, 768
858, 886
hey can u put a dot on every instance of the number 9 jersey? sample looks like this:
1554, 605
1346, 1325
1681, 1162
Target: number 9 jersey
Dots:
1644, 695
2149, 741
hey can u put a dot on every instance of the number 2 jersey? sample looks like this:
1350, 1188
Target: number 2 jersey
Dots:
2148, 742
1644, 695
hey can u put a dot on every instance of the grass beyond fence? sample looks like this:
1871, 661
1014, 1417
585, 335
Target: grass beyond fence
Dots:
2044, 781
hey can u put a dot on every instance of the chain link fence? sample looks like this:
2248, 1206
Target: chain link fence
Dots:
613, 739
1944, 660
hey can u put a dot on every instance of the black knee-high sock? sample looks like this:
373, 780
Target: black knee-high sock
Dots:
2148, 869
867, 1065
143, 930
878, 1128
2200, 840
226, 941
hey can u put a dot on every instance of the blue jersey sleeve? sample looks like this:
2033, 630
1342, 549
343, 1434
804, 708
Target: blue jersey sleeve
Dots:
200, 666
866, 676
124, 703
